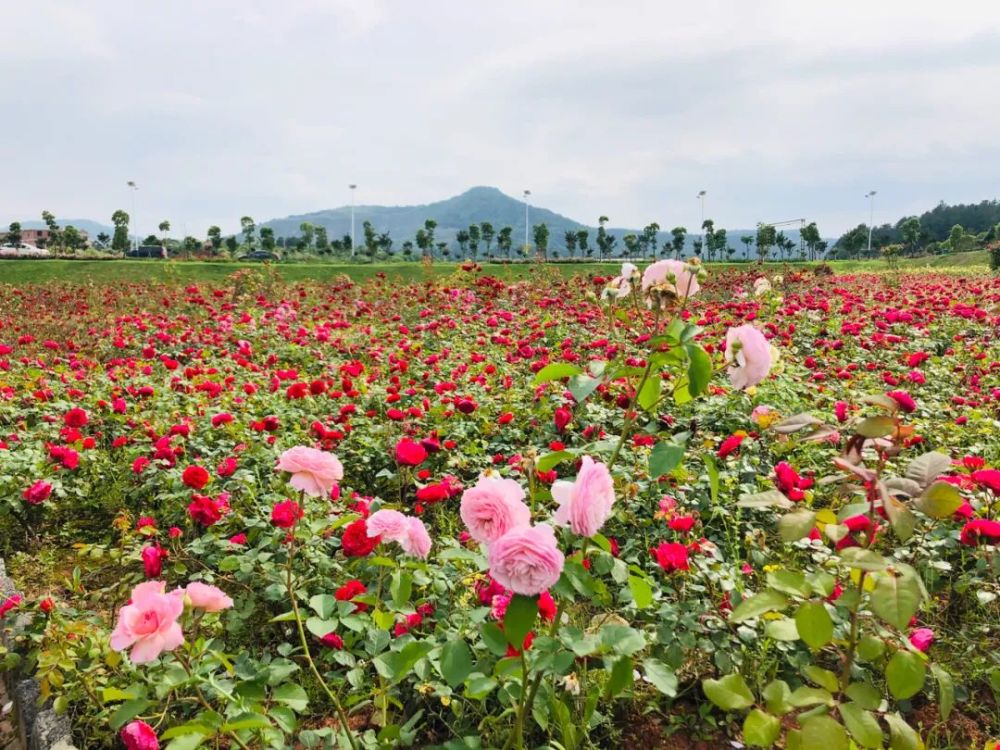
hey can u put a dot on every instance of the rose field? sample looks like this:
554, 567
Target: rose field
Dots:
667, 506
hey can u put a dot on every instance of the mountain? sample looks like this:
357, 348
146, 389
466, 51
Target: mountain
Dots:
93, 228
474, 206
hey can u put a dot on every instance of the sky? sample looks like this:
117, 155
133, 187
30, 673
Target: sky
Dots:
224, 108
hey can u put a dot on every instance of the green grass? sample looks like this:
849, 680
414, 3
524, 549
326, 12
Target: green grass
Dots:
21, 272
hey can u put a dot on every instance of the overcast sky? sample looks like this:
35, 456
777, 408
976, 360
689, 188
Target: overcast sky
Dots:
220, 108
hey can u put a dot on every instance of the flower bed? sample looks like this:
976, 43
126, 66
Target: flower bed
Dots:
474, 513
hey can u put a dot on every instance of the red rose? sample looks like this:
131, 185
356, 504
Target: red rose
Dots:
227, 467
333, 641
562, 417
355, 542
433, 493
348, 591
285, 514
206, 510
37, 493
76, 418
195, 477
409, 453
152, 561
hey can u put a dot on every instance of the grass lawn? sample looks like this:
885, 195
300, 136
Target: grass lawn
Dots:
20, 272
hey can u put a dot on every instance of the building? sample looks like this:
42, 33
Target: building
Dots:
40, 237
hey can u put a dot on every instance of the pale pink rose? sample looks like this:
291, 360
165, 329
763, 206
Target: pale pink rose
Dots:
673, 276
149, 622
585, 504
621, 286
492, 508
206, 597
922, 638
750, 354
391, 525
526, 559
314, 472
417, 541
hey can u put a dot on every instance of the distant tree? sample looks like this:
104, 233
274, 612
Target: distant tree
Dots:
474, 237
677, 243
267, 239
191, 245
322, 241
719, 242
248, 227
384, 244
423, 240
151, 239
582, 235
72, 238
821, 247
55, 238
120, 220
443, 249
891, 253
766, 237
810, 235
487, 232
505, 241
569, 238
371, 239
698, 245
462, 238
14, 234
407, 249
104, 238
232, 244
165, 228
540, 234
633, 246
605, 242
307, 231
747, 240
779, 243
648, 237
215, 237
708, 237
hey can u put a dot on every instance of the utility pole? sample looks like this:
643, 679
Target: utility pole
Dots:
871, 220
527, 194
701, 197
352, 187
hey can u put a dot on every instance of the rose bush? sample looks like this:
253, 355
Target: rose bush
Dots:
473, 513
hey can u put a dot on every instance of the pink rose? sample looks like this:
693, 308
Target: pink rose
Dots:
206, 597
138, 735
526, 559
922, 638
391, 525
149, 623
492, 508
314, 472
586, 503
37, 493
749, 354
673, 276
417, 541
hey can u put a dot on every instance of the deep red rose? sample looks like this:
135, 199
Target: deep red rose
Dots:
355, 541
286, 514
195, 477
409, 453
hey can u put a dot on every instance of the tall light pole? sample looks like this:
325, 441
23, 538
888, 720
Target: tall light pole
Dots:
527, 194
352, 187
701, 196
871, 219
135, 227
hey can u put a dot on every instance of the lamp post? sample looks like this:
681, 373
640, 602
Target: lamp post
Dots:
527, 194
135, 227
701, 197
871, 219
352, 187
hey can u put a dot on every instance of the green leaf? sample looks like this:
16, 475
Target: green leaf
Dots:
940, 500
768, 499
822, 677
712, 467
862, 725
823, 733
323, 605
128, 711
789, 582
494, 638
760, 729
478, 688
244, 722
661, 676
810, 696
902, 520
865, 559
110, 695
642, 592
782, 629
776, 694
926, 468
401, 587
870, 648
814, 625
664, 458
796, 525
187, 741
620, 677
766, 601
699, 369
650, 392
456, 662
896, 597
876, 427
382, 619
319, 627
864, 695
946, 690
519, 619
729, 693
905, 674
555, 371
901, 735
291, 695
550, 460
581, 386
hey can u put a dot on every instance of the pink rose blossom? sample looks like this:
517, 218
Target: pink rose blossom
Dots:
391, 525
527, 559
138, 735
206, 597
149, 623
416, 541
314, 472
585, 504
922, 638
749, 354
672, 275
492, 508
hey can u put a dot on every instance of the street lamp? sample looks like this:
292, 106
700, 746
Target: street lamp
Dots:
701, 197
352, 187
527, 194
871, 219
135, 227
